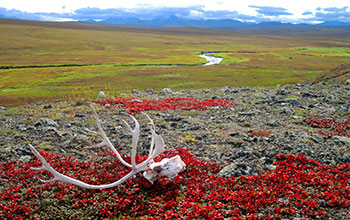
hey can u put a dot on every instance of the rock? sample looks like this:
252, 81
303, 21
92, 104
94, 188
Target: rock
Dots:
216, 97
25, 159
2, 108
224, 89
291, 101
206, 91
333, 99
21, 127
286, 111
46, 122
247, 89
52, 130
234, 134
135, 92
150, 91
317, 138
236, 170
101, 95
22, 151
173, 118
49, 106
273, 123
346, 158
347, 82
234, 90
310, 94
282, 92
166, 91
342, 140
245, 113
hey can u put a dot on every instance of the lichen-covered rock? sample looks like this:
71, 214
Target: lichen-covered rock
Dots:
236, 170
46, 122
341, 140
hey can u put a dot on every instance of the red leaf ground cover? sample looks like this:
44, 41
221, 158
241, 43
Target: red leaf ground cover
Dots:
334, 127
260, 133
135, 105
297, 188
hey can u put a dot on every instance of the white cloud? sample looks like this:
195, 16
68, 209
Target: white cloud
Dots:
294, 6
294, 10
196, 13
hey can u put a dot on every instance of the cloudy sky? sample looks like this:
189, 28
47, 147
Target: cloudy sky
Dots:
294, 11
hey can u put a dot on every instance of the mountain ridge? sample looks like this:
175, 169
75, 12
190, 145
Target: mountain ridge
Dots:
174, 21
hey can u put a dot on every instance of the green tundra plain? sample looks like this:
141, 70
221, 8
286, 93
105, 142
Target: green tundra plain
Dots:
44, 61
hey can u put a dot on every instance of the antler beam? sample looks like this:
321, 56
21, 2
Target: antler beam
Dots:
168, 167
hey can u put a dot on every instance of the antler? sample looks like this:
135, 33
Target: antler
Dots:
167, 167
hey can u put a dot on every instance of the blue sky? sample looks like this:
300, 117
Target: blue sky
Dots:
293, 11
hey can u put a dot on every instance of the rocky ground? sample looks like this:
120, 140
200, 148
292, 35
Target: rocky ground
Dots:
219, 135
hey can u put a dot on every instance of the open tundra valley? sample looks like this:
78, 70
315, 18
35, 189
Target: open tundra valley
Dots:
260, 118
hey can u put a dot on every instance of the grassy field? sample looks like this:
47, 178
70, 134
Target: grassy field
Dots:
107, 55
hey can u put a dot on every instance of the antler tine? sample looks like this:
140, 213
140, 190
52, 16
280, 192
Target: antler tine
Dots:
157, 143
150, 121
135, 137
105, 139
158, 149
152, 135
45, 165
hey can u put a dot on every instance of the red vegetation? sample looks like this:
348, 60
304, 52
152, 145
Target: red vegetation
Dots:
339, 128
135, 105
261, 133
298, 187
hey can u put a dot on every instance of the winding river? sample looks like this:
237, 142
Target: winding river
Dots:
210, 58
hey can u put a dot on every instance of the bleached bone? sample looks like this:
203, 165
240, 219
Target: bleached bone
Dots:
167, 167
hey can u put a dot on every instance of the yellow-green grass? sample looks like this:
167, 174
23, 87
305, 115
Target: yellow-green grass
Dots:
325, 51
249, 59
46, 84
231, 58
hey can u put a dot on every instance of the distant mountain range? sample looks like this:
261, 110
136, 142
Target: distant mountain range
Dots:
174, 21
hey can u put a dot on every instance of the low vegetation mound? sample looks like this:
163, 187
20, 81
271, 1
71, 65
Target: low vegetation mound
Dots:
336, 75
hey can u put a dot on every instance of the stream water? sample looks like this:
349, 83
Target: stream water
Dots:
210, 58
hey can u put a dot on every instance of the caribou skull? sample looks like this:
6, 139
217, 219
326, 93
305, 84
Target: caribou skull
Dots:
168, 167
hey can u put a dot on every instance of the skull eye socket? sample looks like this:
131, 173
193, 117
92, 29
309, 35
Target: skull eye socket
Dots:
157, 169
